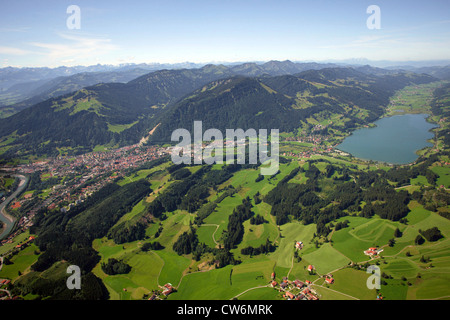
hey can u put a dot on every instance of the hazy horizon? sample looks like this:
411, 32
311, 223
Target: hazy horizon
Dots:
52, 34
350, 62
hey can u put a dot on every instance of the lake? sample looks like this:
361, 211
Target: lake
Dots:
394, 139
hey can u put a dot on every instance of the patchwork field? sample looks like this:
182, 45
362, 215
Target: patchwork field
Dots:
407, 276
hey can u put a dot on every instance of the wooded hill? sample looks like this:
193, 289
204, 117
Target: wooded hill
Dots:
284, 102
118, 114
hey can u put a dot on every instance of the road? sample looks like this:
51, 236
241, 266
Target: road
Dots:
6, 218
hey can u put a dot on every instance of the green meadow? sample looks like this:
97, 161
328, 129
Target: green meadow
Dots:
444, 176
349, 284
406, 275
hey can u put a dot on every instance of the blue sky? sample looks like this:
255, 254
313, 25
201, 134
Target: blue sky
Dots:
34, 33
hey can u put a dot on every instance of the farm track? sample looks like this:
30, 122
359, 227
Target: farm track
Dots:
354, 298
212, 225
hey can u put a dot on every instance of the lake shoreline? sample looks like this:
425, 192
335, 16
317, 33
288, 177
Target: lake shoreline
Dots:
361, 150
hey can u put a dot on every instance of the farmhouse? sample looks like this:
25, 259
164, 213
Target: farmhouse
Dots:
310, 268
298, 245
373, 251
168, 290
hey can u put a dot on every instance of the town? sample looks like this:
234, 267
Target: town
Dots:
73, 179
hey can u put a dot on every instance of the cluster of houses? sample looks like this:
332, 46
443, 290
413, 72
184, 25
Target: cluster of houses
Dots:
96, 162
317, 148
294, 290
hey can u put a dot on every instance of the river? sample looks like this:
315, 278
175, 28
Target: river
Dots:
7, 220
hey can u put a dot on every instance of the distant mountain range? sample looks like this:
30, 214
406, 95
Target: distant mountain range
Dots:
270, 95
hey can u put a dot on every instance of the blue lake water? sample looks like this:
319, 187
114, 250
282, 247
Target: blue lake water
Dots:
394, 139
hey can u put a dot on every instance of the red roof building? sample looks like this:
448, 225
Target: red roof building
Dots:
329, 280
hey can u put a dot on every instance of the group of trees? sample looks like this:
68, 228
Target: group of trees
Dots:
258, 219
235, 229
186, 243
127, 232
152, 246
341, 225
114, 266
263, 248
432, 234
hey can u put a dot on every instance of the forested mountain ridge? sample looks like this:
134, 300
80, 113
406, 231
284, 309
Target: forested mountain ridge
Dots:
23, 88
24, 95
118, 114
285, 102
100, 114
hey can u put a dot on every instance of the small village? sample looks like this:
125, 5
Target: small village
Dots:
317, 140
296, 289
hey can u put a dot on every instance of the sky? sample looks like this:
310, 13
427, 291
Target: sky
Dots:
42, 34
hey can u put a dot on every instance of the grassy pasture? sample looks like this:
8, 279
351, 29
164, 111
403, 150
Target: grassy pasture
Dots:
444, 176
349, 284
352, 245
227, 282
20, 263
326, 259
290, 233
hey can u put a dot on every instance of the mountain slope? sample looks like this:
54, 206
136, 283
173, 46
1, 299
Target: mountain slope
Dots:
24, 95
237, 102
117, 114
284, 102
100, 114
